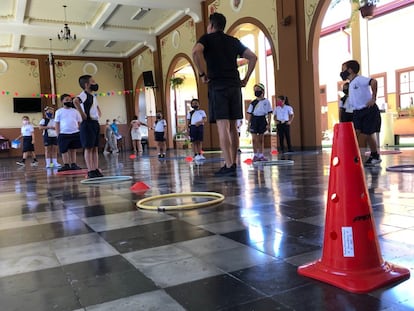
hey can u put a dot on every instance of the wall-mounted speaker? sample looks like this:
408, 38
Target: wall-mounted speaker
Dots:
148, 78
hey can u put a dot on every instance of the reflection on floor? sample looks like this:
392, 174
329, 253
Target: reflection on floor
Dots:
69, 246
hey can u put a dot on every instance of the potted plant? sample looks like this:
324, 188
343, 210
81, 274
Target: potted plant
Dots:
365, 7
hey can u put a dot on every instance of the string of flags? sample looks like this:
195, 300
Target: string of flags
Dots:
102, 94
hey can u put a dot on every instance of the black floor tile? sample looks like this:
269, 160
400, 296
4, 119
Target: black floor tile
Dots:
320, 296
42, 232
152, 235
271, 278
97, 268
40, 290
112, 286
263, 304
214, 293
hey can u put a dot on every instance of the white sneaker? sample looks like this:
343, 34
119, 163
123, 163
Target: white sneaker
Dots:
35, 163
56, 165
201, 157
197, 158
372, 161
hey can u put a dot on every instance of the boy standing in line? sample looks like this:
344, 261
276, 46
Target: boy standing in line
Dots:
259, 114
87, 105
366, 114
196, 119
67, 120
159, 128
47, 125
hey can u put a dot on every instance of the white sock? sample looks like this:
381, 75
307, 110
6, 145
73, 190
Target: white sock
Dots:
55, 162
47, 162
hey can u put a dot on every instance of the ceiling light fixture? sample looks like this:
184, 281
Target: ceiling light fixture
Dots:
64, 33
140, 14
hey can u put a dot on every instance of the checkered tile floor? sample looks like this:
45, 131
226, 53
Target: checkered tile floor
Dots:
69, 246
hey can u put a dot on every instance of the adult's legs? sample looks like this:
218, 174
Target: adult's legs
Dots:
235, 139
226, 138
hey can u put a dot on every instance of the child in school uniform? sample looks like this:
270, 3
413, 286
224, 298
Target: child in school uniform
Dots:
27, 132
196, 119
87, 105
47, 125
160, 127
259, 115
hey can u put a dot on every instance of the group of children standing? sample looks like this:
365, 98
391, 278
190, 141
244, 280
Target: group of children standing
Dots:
259, 115
73, 126
76, 125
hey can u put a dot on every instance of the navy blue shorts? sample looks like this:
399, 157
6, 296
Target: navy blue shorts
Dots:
257, 124
224, 103
367, 120
69, 141
89, 133
27, 144
49, 141
196, 133
159, 136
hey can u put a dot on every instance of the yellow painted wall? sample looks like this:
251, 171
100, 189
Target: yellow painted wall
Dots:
19, 78
110, 77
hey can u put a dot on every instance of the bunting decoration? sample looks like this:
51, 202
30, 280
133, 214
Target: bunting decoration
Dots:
100, 94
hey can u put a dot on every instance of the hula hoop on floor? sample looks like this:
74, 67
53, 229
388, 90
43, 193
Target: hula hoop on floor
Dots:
407, 168
105, 180
274, 162
218, 198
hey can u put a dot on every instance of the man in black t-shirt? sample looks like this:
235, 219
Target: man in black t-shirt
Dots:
219, 52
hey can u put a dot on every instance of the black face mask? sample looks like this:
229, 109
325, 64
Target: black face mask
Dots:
195, 107
69, 104
94, 87
344, 75
258, 93
346, 91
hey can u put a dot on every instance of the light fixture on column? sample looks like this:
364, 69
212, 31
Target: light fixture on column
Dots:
50, 59
64, 33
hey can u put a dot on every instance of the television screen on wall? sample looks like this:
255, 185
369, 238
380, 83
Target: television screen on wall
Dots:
27, 104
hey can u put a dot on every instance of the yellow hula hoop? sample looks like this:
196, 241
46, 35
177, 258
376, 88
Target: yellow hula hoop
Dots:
218, 198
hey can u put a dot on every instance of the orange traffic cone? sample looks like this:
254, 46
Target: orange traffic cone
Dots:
139, 187
351, 256
248, 161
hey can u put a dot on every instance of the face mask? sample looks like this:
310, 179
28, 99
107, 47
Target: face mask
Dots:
344, 75
49, 114
258, 93
69, 104
94, 87
279, 102
346, 91
195, 107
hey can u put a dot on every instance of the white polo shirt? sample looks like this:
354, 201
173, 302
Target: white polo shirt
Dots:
93, 113
69, 119
196, 116
282, 113
262, 108
359, 92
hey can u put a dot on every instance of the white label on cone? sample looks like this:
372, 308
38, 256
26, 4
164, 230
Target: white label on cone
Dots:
348, 242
